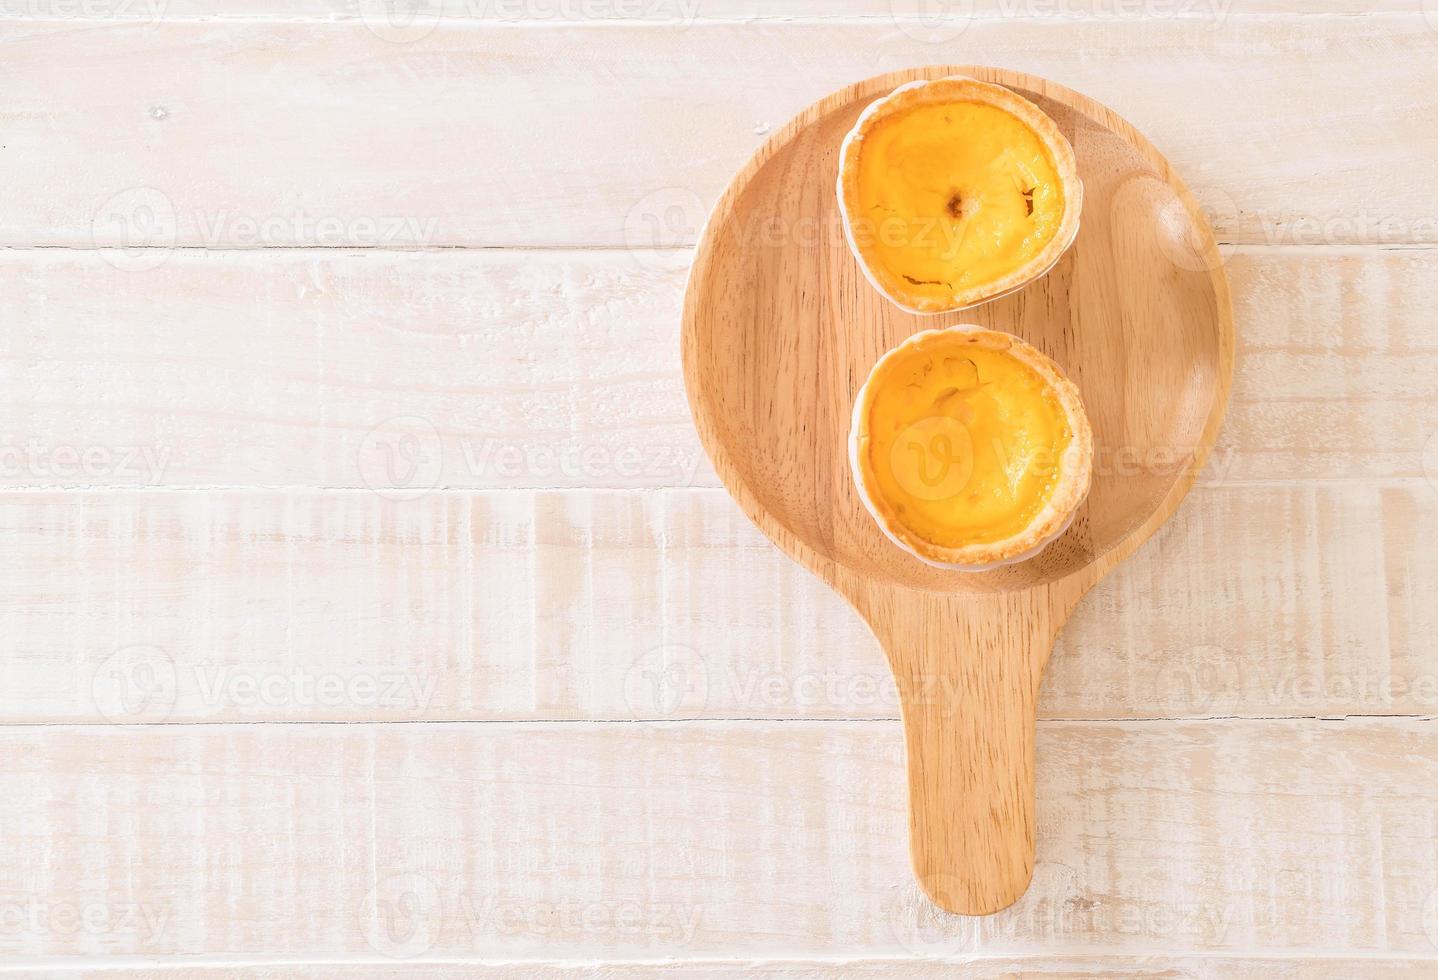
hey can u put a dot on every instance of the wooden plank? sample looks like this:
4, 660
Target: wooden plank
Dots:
407, 23
146, 607
1156, 966
212, 140
700, 840
484, 370
511, 369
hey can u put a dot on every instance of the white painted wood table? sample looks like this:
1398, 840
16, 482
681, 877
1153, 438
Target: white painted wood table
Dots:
368, 607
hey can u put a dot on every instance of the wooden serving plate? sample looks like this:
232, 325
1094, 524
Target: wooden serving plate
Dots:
781, 329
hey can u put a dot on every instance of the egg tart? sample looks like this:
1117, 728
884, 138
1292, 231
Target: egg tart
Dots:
970, 448
954, 192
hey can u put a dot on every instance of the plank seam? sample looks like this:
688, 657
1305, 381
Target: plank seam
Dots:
110, 727
118, 489
1091, 953
1356, 247
451, 19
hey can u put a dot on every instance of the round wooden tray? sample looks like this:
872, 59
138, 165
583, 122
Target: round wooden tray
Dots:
780, 330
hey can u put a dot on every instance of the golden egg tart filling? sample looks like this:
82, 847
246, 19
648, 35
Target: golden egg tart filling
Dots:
956, 191
970, 448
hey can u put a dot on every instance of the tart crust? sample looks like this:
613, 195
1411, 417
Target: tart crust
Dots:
959, 88
1074, 467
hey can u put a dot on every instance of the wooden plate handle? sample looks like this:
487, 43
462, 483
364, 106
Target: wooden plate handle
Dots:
968, 671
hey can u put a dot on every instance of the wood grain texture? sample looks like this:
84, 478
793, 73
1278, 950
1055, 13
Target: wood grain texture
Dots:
1181, 849
1158, 967
1080, 967
700, 840
632, 606
247, 135
560, 368
406, 24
